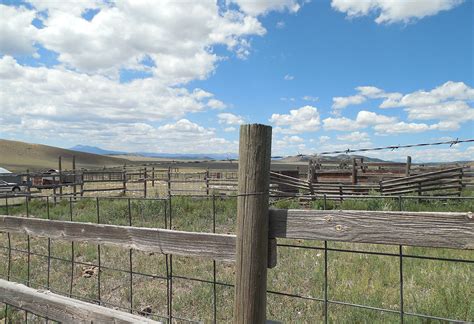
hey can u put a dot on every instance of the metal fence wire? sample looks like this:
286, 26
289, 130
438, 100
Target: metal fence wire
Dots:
134, 278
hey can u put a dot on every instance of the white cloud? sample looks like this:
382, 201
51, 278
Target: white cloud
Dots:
447, 103
430, 154
310, 98
182, 136
288, 77
354, 137
342, 102
177, 37
230, 119
17, 34
216, 104
448, 91
364, 119
261, 7
230, 129
324, 139
390, 11
304, 119
66, 95
400, 127
280, 25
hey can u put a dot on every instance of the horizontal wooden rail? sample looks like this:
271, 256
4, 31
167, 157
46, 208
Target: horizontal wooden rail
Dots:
216, 246
422, 175
430, 229
60, 308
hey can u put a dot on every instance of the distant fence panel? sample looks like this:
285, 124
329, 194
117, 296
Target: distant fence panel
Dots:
449, 182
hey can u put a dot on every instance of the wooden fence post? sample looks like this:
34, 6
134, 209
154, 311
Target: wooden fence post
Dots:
252, 224
152, 176
169, 181
311, 171
74, 188
354, 171
207, 182
124, 179
408, 167
144, 182
28, 180
60, 177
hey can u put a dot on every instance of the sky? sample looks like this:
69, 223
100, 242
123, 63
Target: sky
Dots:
182, 76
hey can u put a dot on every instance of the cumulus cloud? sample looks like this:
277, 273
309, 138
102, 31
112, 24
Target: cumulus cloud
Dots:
170, 42
230, 119
389, 11
17, 34
364, 119
61, 94
261, 7
448, 103
400, 127
304, 119
354, 137
342, 102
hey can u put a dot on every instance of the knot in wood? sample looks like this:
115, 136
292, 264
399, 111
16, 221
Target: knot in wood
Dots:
469, 215
338, 227
328, 218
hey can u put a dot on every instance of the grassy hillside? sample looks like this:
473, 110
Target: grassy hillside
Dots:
19, 156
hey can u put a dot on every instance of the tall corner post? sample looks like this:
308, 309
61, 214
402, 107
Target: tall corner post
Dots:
252, 224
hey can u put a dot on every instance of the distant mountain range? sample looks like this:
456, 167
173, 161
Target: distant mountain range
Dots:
184, 156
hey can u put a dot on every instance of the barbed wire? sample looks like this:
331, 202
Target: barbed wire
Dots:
391, 147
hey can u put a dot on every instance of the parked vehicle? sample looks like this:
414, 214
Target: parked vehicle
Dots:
9, 187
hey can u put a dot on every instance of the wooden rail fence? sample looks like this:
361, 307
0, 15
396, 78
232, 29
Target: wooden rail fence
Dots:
253, 248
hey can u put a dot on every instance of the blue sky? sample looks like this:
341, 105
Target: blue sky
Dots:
180, 77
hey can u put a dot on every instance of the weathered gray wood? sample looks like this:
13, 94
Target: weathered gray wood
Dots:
61, 308
431, 229
408, 166
272, 253
252, 224
215, 246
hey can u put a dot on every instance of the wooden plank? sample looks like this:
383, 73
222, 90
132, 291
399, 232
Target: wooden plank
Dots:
422, 175
61, 308
252, 224
431, 229
216, 246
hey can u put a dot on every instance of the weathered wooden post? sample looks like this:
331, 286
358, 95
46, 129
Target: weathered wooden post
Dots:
252, 224
169, 181
152, 176
124, 180
408, 166
207, 182
60, 169
28, 182
74, 188
354, 171
144, 182
311, 171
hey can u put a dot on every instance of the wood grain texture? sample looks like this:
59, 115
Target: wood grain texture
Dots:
61, 308
429, 229
216, 246
252, 224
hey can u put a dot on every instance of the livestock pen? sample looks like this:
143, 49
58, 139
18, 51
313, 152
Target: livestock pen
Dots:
173, 258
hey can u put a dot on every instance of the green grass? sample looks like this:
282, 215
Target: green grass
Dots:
436, 288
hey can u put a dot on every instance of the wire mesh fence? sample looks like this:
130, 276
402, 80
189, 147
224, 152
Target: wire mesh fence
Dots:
314, 281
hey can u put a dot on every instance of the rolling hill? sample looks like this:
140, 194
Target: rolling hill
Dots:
18, 156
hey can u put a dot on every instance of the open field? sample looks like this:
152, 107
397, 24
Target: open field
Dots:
431, 287
18, 156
